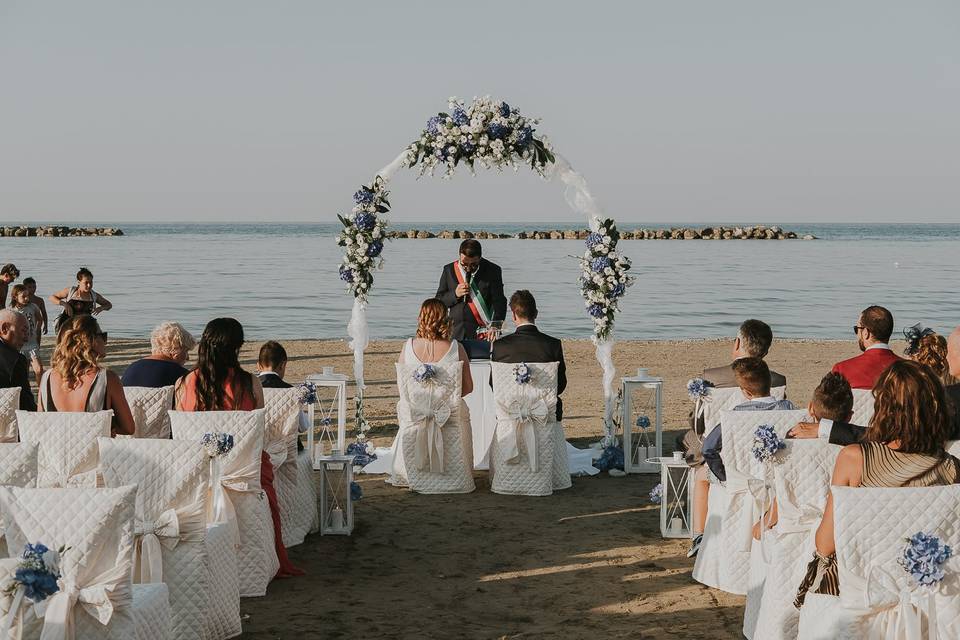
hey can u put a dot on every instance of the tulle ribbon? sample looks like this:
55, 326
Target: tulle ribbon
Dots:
428, 453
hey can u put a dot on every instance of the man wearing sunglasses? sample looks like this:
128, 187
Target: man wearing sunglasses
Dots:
873, 331
472, 290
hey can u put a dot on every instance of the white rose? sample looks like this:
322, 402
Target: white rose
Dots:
602, 249
623, 279
613, 255
349, 241
607, 239
608, 271
376, 232
598, 279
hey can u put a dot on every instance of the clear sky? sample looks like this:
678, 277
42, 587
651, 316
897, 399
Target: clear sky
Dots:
207, 110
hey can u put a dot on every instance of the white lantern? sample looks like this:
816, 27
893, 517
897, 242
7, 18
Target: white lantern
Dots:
676, 498
336, 503
642, 422
327, 417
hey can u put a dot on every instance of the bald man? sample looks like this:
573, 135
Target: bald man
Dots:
14, 368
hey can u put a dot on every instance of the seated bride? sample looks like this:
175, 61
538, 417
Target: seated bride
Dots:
433, 375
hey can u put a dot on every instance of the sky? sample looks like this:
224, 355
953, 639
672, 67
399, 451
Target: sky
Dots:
233, 110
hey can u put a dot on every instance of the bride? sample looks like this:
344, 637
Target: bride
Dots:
432, 345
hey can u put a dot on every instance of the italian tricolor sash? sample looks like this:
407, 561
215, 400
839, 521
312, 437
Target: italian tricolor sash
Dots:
478, 306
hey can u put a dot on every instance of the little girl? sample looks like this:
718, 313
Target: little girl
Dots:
20, 302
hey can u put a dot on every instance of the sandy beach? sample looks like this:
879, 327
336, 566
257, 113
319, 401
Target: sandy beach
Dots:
585, 563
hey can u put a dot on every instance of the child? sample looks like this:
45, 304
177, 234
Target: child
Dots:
271, 367
31, 286
20, 302
8, 273
832, 400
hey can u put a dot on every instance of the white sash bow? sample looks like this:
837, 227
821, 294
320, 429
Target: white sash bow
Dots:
428, 451
10, 601
170, 527
738, 484
99, 598
245, 479
523, 415
892, 611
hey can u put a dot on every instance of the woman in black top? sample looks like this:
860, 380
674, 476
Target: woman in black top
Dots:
170, 345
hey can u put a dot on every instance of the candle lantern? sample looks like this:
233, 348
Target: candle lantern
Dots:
327, 415
336, 501
642, 422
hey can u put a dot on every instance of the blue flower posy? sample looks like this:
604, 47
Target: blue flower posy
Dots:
766, 443
698, 388
656, 494
424, 373
307, 393
521, 373
923, 558
604, 276
643, 422
38, 571
217, 443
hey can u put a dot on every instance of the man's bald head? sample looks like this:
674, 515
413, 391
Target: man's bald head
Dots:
953, 353
13, 328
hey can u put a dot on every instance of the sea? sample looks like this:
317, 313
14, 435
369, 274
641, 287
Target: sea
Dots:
280, 280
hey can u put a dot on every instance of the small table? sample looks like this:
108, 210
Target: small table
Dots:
339, 383
676, 501
483, 412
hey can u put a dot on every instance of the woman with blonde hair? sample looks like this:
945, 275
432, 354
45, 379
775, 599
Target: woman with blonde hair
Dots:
170, 345
77, 382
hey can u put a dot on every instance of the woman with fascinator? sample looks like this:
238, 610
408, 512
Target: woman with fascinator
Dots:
926, 346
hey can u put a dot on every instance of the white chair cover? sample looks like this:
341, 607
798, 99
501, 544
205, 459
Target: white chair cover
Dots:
862, 407
434, 444
724, 399
18, 468
170, 521
149, 407
878, 599
801, 482
9, 403
282, 412
523, 452
68, 445
238, 489
96, 600
723, 561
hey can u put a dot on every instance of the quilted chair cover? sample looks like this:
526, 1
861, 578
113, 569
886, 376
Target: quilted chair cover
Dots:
149, 407
68, 445
801, 482
239, 472
282, 413
9, 403
723, 561
953, 448
18, 468
223, 620
876, 594
862, 407
97, 526
435, 437
172, 479
523, 451
725, 399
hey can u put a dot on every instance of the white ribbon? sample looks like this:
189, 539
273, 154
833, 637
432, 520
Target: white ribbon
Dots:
428, 452
99, 598
245, 479
892, 611
738, 484
169, 529
523, 415
10, 602
278, 450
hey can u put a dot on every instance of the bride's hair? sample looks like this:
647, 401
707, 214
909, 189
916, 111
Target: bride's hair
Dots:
433, 323
75, 353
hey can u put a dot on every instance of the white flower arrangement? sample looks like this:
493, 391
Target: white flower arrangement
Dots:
362, 236
605, 276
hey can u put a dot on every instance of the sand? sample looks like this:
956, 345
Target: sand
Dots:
584, 563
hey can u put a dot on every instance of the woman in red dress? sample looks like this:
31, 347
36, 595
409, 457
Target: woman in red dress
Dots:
218, 383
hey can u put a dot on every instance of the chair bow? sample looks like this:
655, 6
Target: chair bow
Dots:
11, 599
242, 479
170, 527
523, 415
428, 452
738, 484
893, 611
99, 598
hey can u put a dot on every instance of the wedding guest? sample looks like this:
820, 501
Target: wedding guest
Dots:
8, 273
472, 289
170, 346
904, 447
433, 342
926, 346
76, 380
14, 366
31, 285
873, 331
754, 338
20, 302
218, 383
79, 299
529, 344
272, 365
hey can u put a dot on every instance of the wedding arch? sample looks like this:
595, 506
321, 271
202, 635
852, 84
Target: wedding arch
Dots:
488, 134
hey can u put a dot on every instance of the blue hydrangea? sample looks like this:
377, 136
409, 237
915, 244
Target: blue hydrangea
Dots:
217, 443
766, 443
460, 117
643, 422
504, 109
656, 494
593, 240
468, 148
600, 263
525, 137
497, 131
698, 388
38, 580
611, 458
424, 372
375, 248
356, 491
346, 274
521, 373
596, 310
365, 221
307, 393
923, 558
433, 125
326, 421
363, 196
361, 457
618, 290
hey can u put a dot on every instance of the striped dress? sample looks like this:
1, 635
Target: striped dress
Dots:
882, 467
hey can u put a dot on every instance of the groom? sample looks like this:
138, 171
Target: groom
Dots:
472, 290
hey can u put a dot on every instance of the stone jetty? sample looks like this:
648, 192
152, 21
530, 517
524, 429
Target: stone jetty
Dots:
759, 232
57, 231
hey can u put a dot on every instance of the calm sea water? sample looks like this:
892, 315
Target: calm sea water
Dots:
281, 280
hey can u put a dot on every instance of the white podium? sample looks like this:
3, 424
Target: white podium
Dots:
483, 412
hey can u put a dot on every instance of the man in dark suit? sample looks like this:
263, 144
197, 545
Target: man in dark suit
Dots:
873, 331
528, 344
472, 290
14, 367
272, 365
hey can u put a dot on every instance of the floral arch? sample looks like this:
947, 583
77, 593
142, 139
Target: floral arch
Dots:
487, 134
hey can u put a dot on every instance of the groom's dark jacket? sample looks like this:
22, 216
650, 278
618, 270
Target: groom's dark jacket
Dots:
489, 279
528, 344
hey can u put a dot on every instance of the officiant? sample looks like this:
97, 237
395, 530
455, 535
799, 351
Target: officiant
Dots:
472, 290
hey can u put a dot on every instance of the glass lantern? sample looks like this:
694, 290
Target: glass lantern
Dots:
642, 422
327, 416
336, 501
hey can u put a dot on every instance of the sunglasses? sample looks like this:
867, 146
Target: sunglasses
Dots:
856, 329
